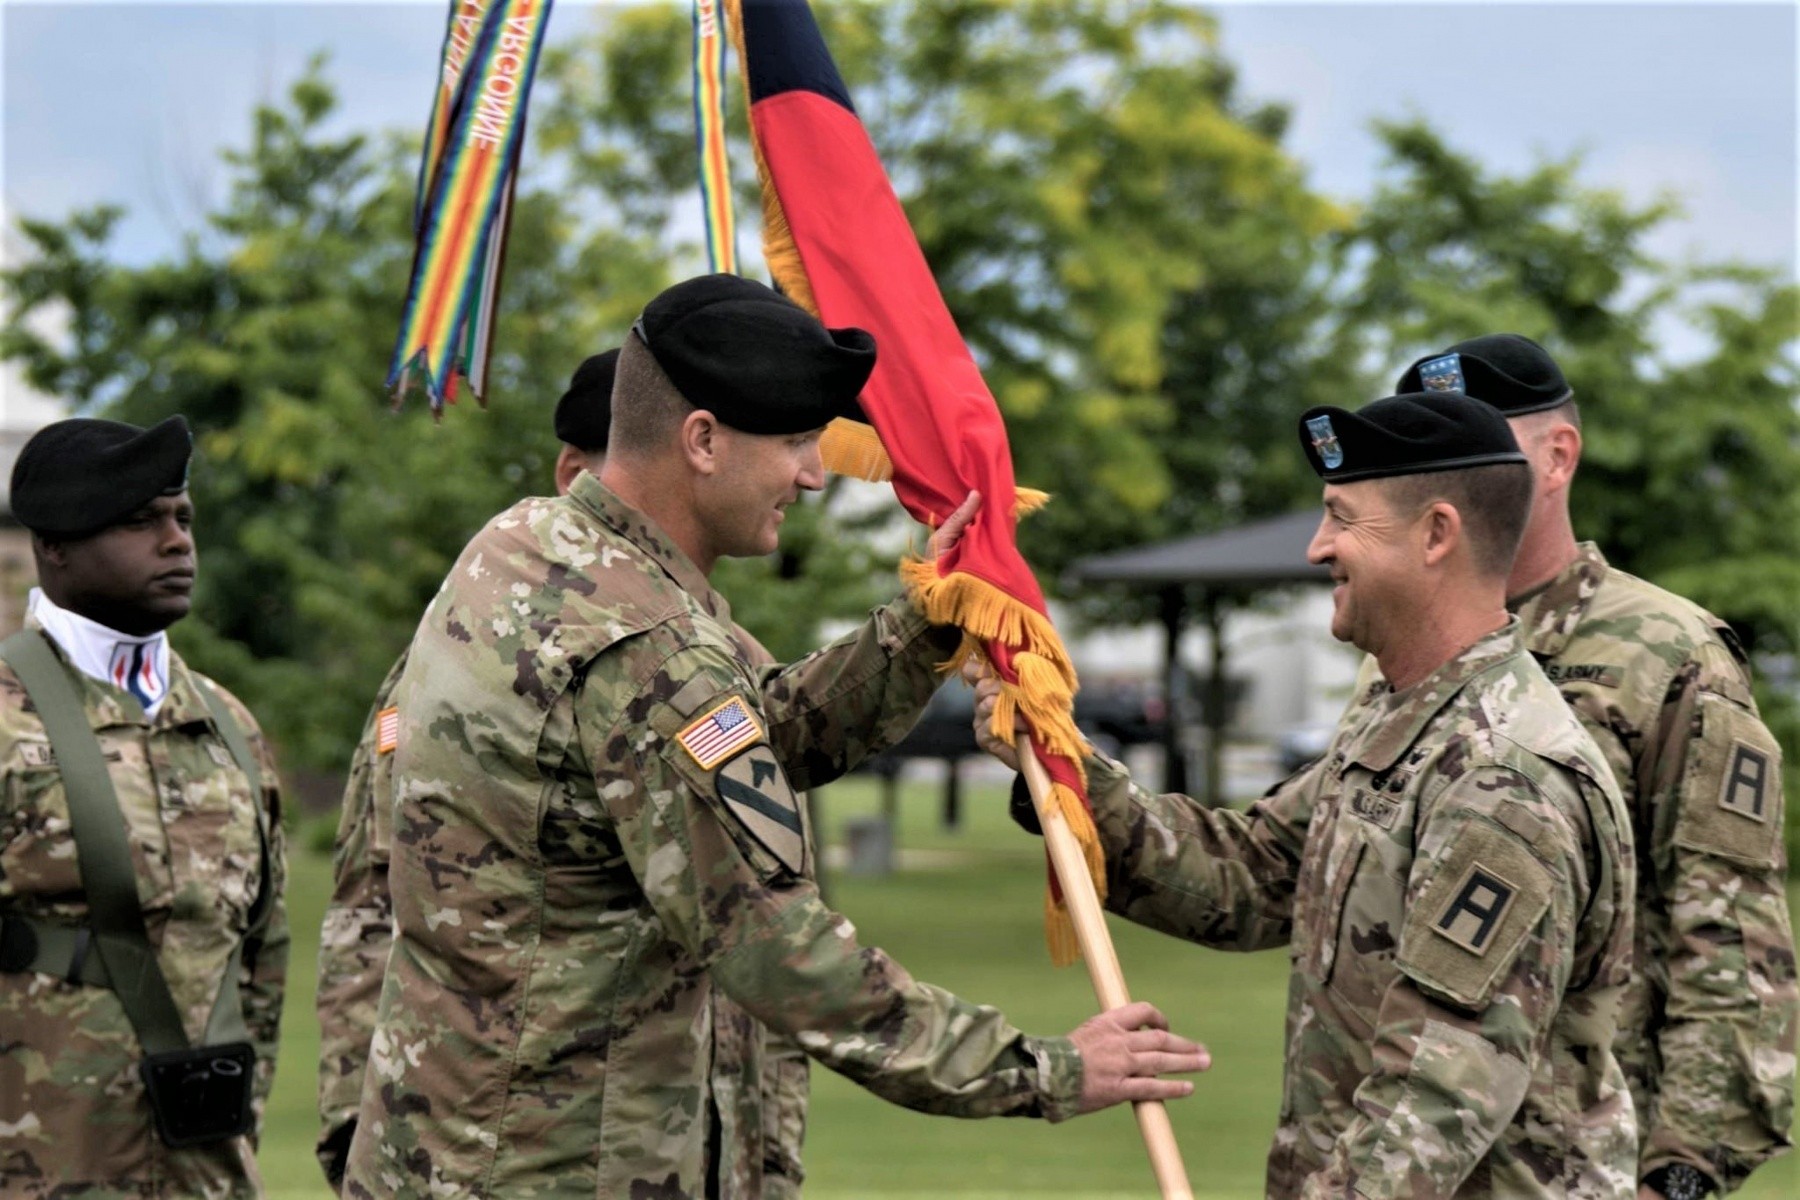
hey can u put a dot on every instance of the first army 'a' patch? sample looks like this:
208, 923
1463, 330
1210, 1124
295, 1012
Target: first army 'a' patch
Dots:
1482, 900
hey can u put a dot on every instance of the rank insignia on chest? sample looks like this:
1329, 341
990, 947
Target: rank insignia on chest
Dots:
36, 754
1475, 909
1376, 809
387, 730
721, 733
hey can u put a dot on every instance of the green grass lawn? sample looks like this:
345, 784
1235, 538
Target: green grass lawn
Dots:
969, 921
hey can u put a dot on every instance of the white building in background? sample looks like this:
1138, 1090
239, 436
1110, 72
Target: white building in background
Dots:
1293, 671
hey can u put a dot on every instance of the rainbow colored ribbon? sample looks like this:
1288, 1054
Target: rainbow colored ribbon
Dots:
709, 135
467, 175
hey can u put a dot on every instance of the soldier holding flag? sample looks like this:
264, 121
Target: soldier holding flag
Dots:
1453, 879
597, 834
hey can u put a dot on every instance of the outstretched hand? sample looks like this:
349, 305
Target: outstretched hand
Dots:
1124, 1051
951, 531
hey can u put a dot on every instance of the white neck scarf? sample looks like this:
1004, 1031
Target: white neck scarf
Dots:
139, 665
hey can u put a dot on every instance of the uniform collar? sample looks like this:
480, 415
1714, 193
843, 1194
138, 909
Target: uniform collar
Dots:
1395, 721
136, 665
602, 502
182, 704
1550, 613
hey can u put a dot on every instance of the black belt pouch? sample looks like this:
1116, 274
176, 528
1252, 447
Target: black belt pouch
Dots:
200, 1095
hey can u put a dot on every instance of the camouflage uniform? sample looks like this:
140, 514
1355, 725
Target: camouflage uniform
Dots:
353, 952
596, 841
1453, 881
1708, 1029
73, 1118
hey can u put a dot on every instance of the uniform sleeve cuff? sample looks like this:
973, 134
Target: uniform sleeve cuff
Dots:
910, 624
1059, 1076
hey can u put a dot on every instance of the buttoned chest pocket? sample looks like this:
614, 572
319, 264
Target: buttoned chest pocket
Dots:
210, 817
37, 849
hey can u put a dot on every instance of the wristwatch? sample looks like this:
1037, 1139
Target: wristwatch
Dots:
1679, 1181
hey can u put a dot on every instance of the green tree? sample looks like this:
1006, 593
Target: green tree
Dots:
325, 520
1131, 256
1686, 373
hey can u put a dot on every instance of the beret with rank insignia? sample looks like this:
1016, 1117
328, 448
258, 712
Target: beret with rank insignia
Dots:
1510, 372
1406, 435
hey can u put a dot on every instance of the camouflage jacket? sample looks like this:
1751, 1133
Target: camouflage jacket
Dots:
358, 932
73, 1118
595, 840
1708, 1032
1453, 881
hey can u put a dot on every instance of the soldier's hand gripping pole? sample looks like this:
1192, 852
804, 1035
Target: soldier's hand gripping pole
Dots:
1101, 959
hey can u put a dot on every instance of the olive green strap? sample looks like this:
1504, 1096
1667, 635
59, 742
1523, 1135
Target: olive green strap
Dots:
101, 850
226, 1023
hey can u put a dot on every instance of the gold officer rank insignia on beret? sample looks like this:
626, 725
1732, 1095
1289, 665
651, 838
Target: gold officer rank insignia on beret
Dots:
1476, 907
756, 791
387, 730
720, 733
1746, 782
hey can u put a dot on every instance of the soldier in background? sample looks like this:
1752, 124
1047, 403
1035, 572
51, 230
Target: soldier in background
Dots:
597, 835
143, 942
358, 927
1453, 879
1707, 1036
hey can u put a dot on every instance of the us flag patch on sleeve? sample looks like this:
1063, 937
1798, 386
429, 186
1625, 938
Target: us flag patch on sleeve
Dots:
721, 733
387, 730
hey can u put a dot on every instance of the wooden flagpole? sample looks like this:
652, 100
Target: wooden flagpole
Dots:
1101, 959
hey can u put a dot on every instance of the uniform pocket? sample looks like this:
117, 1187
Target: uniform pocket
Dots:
1339, 876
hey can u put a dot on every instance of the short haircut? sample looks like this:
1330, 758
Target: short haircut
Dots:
1537, 422
647, 411
1494, 502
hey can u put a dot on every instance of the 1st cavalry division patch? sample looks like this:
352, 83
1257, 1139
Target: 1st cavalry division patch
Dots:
756, 790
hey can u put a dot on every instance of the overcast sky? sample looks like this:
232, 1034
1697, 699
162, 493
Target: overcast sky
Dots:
130, 102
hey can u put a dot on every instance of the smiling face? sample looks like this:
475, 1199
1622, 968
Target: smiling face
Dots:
758, 476
1375, 556
136, 577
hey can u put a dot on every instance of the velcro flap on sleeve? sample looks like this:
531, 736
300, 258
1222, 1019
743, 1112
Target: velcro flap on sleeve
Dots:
1465, 929
1731, 789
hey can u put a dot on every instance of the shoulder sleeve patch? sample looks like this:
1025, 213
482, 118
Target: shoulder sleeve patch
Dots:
756, 791
720, 733
1731, 802
1465, 928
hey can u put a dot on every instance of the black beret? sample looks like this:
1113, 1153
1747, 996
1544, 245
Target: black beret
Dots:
584, 414
1406, 435
754, 359
1510, 372
79, 476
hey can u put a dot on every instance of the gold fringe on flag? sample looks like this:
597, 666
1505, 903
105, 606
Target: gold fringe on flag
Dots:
1044, 695
1045, 691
